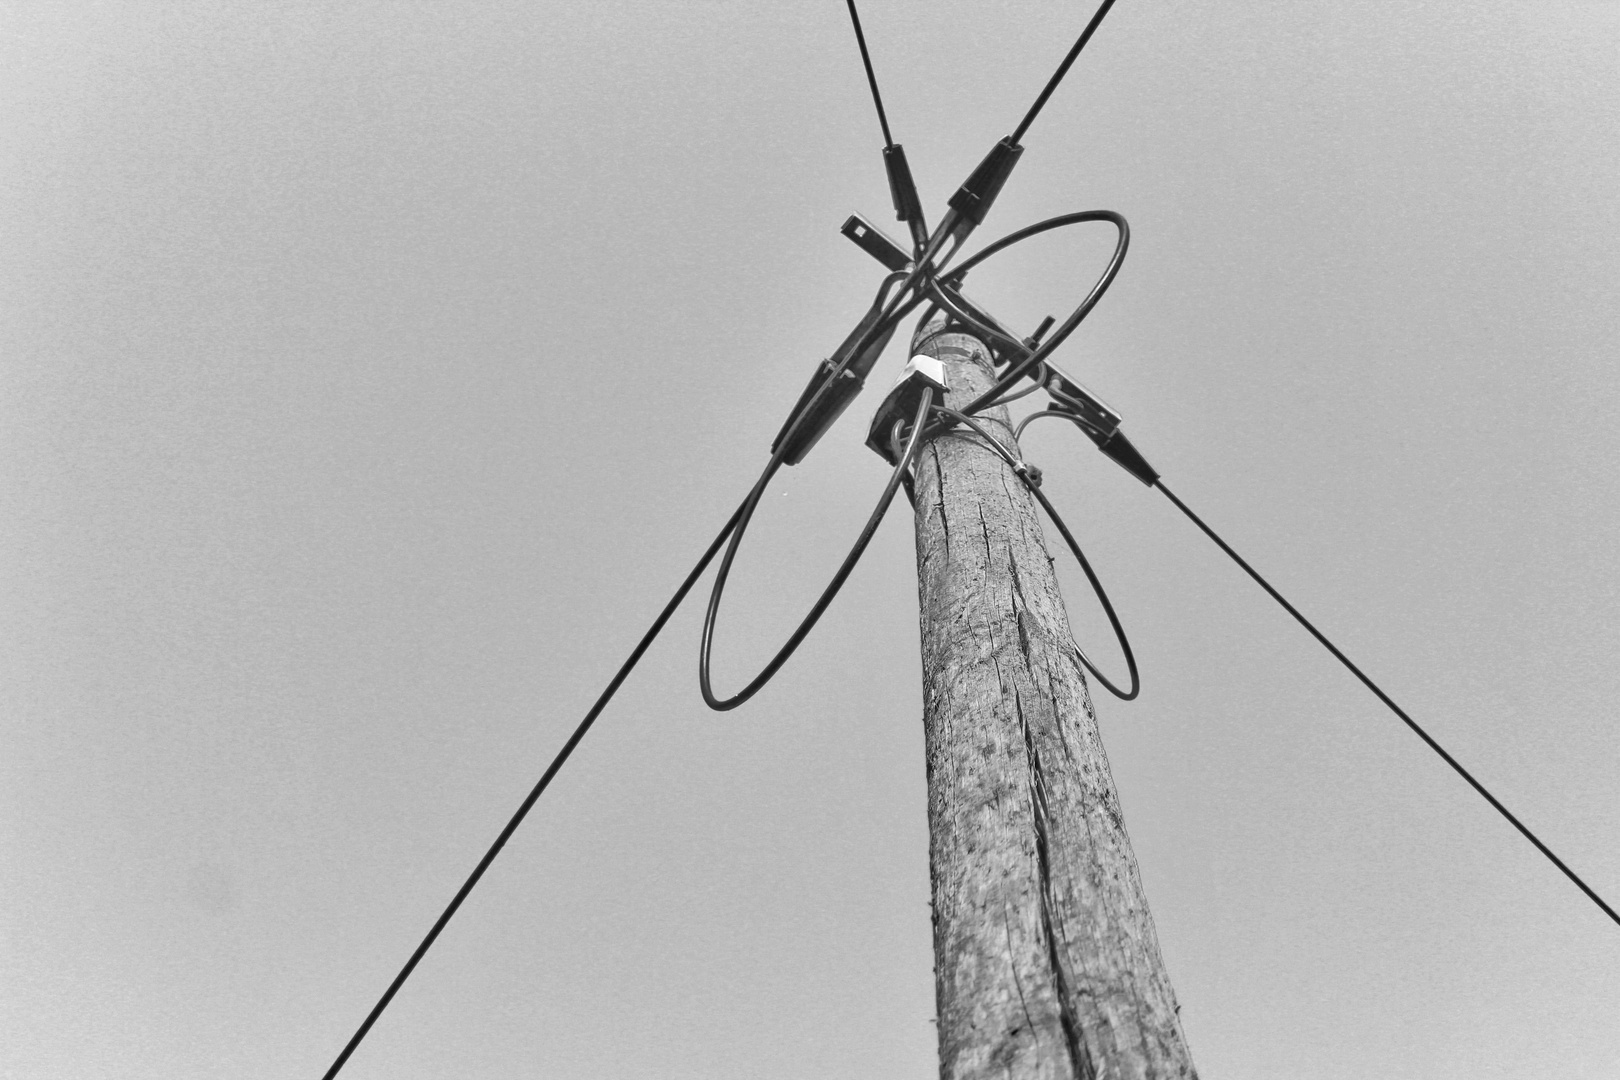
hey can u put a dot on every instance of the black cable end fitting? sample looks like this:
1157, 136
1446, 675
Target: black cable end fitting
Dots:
973, 199
833, 385
824, 400
1125, 455
902, 189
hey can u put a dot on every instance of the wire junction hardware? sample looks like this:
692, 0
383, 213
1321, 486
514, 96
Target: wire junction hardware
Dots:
915, 411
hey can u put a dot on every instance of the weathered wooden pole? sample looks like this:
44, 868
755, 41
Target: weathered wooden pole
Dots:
1046, 961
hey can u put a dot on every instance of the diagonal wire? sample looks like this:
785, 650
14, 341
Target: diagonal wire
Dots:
1394, 708
1063, 69
534, 794
877, 99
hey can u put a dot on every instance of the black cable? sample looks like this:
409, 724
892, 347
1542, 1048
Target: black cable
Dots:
534, 794
908, 478
1031, 479
1394, 708
871, 79
744, 514
1063, 69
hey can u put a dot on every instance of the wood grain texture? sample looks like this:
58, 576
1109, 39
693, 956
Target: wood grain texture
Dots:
1046, 961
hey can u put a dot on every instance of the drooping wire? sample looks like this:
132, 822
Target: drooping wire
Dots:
534, 794
1063, 69
740, 525
1390, 703
871, 79
1031, 479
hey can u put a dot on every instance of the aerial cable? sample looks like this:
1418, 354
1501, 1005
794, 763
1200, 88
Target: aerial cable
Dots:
740, 525
902, 189
972, 201
871, 79
1394, 708
535, 793
1031, 478
1063, 69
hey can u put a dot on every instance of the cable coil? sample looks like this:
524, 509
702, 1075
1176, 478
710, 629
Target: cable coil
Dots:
745, 515
1030, 476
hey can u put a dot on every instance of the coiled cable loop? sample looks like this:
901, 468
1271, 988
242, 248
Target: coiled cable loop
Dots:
1030, 475
1028, 360
918, 427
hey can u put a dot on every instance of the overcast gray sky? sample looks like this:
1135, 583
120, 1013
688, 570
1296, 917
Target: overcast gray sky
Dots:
373, 372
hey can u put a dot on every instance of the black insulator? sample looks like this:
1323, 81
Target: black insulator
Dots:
902, 189
972, 200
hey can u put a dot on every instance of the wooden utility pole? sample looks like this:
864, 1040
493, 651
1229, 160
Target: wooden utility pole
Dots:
1046, 961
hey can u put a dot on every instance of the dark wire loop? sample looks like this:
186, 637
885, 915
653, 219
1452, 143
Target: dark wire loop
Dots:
749, 505
1031, 478
1032, 359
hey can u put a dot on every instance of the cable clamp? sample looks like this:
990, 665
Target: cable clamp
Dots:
876, 243
1029, 474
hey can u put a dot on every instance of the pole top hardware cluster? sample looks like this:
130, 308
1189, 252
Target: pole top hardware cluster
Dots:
924, 275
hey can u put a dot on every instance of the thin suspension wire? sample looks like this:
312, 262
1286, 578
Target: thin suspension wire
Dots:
1063, 69
866, 59
534, 794
1394, 708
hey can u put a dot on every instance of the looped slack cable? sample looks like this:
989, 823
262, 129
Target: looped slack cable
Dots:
827, 595
1030, 359
1031, 479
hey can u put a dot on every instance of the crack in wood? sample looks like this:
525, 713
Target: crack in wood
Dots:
1047, 967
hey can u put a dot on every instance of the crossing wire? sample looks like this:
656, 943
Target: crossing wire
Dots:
534, 794
1063, 69
1394, 708
871, 79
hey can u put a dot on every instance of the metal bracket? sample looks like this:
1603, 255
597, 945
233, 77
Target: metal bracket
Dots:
1070, 397
876, 243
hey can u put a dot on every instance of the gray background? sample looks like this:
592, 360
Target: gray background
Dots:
372, 372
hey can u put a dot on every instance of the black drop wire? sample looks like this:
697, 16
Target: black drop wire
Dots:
740, 525
535, 793
871, 79
1394, 708
1063, 69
